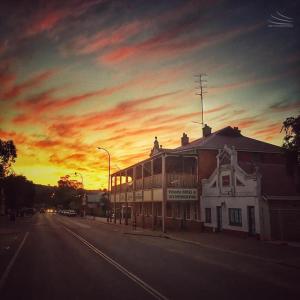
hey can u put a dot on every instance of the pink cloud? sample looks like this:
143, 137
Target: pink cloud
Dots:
171, 43
35, 81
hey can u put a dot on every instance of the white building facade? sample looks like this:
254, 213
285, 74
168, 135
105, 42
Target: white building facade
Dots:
231, 197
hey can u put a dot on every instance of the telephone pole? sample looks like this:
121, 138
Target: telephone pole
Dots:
200, 91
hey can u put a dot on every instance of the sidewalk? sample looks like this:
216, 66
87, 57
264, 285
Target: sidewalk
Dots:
287, 254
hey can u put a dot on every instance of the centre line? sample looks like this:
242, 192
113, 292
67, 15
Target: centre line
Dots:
136, 279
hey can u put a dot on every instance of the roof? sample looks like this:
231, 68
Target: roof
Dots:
217, 140
232, 138
275, 179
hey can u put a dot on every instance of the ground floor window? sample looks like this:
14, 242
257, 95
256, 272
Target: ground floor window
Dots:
158, 210
235, 216
178, 215
207, 215
196, 208
188, 211
169, 210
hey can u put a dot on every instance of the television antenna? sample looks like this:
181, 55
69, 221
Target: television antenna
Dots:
200, 92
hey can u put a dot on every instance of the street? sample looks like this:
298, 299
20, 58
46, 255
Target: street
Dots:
62, 257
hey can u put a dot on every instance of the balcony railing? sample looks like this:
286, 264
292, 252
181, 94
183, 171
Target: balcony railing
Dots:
178, 180
181, 180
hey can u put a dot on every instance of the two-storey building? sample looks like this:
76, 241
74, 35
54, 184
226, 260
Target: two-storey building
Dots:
164, 191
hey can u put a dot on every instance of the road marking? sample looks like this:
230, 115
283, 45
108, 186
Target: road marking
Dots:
76, 223
136, 279
12, 261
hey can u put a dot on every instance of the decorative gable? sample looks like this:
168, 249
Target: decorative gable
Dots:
229, 179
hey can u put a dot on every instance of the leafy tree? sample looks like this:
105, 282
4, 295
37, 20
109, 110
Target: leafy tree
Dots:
68, 192
291, 143
8, 154
291, 126
19, 192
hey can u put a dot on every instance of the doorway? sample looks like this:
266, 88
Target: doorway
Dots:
219, 218
251, 220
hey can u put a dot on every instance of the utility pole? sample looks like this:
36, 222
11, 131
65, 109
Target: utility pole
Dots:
200, 91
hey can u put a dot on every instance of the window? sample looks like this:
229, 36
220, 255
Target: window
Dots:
235, 216
178, 215
207, 215
169, 210
196, 208
225, 180
188, 211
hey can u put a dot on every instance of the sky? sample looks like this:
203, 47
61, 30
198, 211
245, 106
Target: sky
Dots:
77, 75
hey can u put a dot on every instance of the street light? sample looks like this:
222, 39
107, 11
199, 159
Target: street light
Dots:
108, 183
84, 199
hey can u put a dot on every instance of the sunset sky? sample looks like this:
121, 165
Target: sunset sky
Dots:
77, 75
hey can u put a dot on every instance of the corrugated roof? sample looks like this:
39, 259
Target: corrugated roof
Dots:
232, 138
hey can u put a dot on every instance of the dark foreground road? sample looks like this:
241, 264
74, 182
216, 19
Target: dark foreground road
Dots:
71, 258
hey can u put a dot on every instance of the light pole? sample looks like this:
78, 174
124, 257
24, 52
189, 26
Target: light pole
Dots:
108, 183
83, 199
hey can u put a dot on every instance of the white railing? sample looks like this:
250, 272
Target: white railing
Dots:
181, 180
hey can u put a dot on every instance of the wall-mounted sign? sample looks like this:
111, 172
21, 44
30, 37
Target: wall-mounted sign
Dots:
182, 194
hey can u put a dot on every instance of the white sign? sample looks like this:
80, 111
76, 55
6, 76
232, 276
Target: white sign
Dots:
182, 194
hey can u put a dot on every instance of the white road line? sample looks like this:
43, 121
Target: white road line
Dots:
136, 279
75, 223
12, 261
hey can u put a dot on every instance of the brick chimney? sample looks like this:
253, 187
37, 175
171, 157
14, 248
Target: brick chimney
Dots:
237, 130
206, 130
184, 139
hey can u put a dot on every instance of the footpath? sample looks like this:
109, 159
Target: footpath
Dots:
11, 235
279, 252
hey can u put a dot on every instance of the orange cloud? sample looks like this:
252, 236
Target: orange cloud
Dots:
270, 130
127, 110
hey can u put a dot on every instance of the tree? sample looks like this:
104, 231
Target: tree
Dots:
68, 192
291, 126
8, 154
291, 143
19, 192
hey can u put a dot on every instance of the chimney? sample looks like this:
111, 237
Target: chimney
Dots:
237, 130
206, 130
184, 139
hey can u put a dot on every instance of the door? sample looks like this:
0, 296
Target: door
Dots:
251, 220
219, 218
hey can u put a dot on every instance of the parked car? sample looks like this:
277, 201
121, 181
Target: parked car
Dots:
72, 213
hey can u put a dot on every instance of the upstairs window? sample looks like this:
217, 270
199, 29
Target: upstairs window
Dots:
225, 180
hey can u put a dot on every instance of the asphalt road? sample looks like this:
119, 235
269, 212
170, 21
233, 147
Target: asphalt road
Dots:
72, 258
